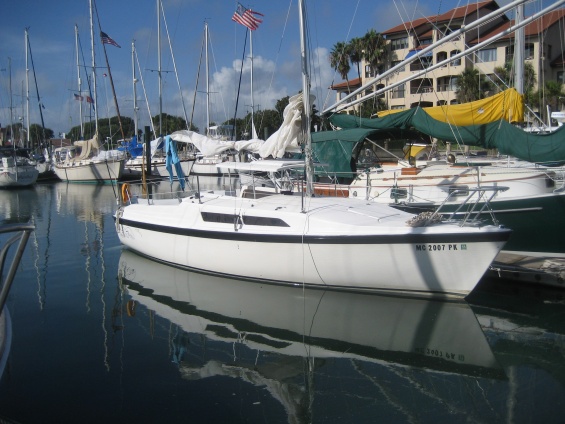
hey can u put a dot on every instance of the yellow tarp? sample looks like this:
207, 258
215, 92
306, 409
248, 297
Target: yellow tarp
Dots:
507, 105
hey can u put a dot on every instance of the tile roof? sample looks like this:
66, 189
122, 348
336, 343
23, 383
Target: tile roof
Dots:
354, 83
457, 13
533, 28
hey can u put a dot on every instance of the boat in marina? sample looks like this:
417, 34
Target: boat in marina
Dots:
16, 170
535, 197
87, 162
273, 336
312, 241
136, 162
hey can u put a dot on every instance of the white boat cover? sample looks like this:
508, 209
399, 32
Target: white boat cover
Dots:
287, 138
206, 145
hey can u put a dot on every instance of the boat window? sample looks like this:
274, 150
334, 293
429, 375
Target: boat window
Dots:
266, 222
398, 193
225, 218
459, 190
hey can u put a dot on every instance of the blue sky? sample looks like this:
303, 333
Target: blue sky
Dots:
275, 45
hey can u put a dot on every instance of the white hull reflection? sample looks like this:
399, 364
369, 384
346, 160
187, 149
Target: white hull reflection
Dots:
434, 334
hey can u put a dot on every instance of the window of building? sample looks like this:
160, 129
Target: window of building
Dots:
487, 55
455, 62
398, 92
369, 71
529, 51
441, 56
425, 42
560, 75
399, 43
396, 62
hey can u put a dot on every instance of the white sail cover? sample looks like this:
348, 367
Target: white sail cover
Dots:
287, 138
206, 145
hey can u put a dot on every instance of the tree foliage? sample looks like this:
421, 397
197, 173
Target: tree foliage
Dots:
505, 75
374, 49
37, 134
339, 60
471, 86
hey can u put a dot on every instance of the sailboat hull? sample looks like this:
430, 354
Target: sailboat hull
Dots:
338, 243
20, 176
90, 171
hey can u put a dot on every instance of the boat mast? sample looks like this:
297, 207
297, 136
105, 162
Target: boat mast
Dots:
306, 99
159, 67
174, 64
519, 47
11, 105
26, 136
207, 80
79, 83
134, 80
93, 69
253, 131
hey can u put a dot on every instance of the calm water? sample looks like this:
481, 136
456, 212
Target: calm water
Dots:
102, 335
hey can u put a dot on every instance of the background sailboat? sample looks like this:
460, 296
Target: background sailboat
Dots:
87, 161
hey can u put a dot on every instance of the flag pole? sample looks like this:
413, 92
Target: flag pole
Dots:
111, 82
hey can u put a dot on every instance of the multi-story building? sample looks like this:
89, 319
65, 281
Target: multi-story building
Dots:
544, 40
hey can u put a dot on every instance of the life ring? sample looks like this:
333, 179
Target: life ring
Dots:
126, 197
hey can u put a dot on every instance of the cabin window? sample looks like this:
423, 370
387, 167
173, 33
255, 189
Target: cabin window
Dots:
227, 218
398, 193
459, 190
560, 75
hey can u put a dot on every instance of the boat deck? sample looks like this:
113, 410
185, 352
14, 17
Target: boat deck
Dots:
546, 271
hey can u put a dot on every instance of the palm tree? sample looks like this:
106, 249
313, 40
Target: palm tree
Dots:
553, 91
374, 47
355, 52
339, 60
470, 85
506, 75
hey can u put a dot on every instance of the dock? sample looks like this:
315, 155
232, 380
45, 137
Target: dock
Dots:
546, 271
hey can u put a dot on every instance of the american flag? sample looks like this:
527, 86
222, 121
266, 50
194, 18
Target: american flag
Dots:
247, 17
89, 99
106, 39
78, 97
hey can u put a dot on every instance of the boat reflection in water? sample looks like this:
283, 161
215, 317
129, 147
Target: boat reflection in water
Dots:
285, 338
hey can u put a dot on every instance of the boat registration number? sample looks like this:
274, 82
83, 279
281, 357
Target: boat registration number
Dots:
439, 247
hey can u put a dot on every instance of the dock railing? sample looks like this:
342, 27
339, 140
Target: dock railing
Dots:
19, 240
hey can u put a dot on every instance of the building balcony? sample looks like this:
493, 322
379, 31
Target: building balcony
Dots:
421, 90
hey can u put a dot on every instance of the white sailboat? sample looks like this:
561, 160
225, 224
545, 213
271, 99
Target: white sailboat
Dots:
16, 170
312, 241
86, 161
